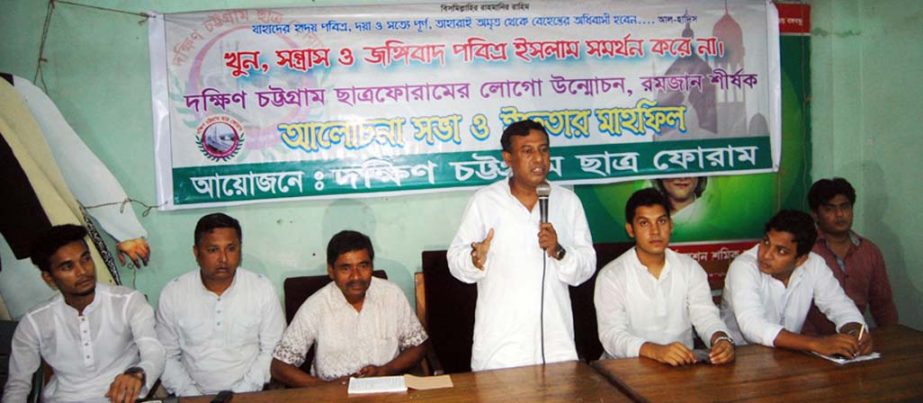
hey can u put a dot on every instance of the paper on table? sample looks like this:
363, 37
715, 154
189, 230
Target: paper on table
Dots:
428, 382
841, 361
377, 384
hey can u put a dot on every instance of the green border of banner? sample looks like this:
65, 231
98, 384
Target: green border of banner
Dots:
318, 178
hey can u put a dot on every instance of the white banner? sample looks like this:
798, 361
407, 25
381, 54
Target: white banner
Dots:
268, 104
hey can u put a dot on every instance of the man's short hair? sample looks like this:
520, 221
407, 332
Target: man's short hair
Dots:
520, 128
645, 197
797, 223
699, 186
348, 241
825, 189
212, 221
48, 242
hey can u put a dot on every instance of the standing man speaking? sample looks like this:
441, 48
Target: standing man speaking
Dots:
521, 262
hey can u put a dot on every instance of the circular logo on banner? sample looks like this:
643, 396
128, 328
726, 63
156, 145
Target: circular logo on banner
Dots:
220, 137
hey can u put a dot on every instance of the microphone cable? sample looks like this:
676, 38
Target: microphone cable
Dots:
543, 191
542, 308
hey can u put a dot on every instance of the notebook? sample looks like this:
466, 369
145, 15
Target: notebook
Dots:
843, 360
377, 384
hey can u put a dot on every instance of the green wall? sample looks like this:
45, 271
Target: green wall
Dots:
867, 62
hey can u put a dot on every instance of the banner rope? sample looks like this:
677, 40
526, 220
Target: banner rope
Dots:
138, 13
39, 78
123, 203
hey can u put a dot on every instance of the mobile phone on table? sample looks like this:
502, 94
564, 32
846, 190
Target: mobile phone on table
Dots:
701, 356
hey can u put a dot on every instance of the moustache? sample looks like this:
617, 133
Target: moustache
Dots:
357, 283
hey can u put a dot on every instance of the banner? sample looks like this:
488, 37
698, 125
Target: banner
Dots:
267, 104
730, 207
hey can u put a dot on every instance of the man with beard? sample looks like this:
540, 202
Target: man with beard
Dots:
521, 264
360, 325
98, 339
769, 288
855, 261
220, 323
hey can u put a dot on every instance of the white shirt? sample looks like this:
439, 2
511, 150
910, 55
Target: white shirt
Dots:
756, 306
217, 343
114, 333
347, 340
507, 324
633, 307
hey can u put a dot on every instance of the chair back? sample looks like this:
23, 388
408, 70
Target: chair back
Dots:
449, 306
39, 378
7, 327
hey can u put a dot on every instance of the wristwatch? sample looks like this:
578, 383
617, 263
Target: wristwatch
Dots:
137, 372
728, 338
559, 252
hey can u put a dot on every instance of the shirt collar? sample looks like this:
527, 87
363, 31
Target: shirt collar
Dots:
86, 310
641, 268
854, 238
341, 299
797, 274
96, 298
508, 191
210, 292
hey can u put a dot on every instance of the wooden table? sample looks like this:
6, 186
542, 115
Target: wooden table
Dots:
565, 382
762, 373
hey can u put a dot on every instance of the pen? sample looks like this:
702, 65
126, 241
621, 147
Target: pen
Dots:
861, 330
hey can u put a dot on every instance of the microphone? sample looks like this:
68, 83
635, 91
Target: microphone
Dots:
543, 190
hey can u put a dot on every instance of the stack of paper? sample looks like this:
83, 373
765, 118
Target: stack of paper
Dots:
390, 384
843, 360
378, 384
